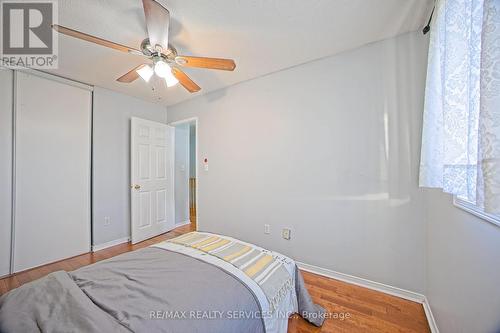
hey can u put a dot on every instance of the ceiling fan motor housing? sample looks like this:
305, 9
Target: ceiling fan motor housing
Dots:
149, 51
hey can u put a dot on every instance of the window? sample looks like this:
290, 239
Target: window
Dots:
473, 209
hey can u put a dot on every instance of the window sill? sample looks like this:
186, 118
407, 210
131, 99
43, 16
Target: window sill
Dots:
468, 207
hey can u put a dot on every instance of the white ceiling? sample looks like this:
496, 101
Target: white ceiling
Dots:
263, 36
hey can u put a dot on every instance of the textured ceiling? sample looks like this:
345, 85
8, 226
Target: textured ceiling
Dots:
263, 36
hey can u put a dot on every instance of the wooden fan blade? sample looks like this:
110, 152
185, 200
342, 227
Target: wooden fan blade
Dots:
202, 62
131, 76
94, 39
157, 22
185, 80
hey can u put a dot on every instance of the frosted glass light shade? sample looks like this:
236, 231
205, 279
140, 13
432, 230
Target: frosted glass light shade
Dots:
145, 73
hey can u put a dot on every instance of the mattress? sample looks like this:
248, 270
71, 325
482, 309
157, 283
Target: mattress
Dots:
168, 287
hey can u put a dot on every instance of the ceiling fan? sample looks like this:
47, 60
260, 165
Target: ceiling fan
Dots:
162, 55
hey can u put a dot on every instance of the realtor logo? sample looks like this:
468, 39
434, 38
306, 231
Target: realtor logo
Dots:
28, 39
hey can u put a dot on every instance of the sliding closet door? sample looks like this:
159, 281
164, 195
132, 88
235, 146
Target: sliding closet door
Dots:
52, 165
5, 168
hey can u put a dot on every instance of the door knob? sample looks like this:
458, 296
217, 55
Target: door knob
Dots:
136, 187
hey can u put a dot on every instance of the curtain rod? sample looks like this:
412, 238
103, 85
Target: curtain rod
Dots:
427, 28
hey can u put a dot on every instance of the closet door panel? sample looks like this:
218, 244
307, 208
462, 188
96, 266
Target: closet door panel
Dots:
6, 89
52, 192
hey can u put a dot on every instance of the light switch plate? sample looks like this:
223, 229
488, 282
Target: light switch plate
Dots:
267, 229
286, 233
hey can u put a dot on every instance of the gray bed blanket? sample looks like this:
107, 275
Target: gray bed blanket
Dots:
53, 304
313, 313
148, 290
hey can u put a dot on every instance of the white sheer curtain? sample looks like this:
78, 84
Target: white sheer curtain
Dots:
461, 132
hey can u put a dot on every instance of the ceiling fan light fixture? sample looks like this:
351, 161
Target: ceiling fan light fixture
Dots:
171, 80
145, 72
162, 69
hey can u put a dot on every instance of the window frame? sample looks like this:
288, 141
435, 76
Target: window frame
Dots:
473, 209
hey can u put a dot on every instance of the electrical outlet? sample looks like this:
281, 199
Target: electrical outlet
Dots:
267, 229
286, 233
107, 220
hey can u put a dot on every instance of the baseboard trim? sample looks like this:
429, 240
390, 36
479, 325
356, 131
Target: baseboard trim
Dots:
103, 246
381, 287
127, 239
430, 317
182, 224
394, 291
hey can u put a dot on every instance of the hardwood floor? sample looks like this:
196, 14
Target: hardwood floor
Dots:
369, 310
351, 308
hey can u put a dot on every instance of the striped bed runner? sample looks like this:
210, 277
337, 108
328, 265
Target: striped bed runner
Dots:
265, 269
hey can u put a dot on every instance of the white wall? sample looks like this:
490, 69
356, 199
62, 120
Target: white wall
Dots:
111, 160
6, 89
344, 133
182, 173
463, 268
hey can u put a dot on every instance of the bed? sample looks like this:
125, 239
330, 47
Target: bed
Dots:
197, 282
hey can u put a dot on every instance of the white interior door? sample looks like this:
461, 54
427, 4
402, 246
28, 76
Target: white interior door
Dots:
52, 170
152, 183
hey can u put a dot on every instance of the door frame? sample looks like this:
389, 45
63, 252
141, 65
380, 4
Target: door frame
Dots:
197, 173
